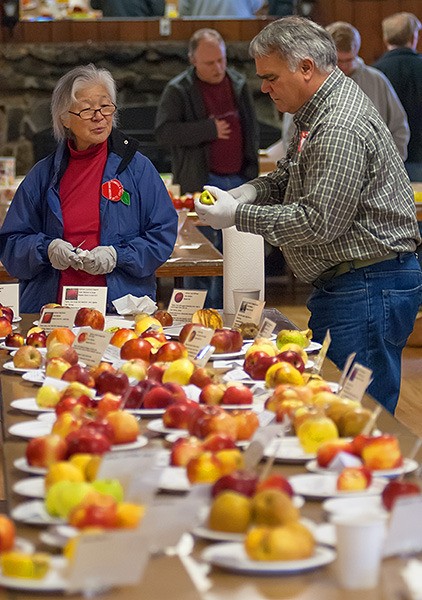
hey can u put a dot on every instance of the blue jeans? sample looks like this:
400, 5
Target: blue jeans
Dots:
214, 285
370, 311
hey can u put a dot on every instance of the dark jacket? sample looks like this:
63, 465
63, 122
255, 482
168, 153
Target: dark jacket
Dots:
182, 124
403, 67
143, 232
129, 8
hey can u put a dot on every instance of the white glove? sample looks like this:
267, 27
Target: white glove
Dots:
62, 255
221, 214
99, 260
244, 194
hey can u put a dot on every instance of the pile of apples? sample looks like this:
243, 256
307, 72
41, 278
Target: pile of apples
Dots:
6, 318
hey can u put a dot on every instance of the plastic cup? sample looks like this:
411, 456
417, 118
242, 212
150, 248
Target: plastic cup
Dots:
360, 539
239, 294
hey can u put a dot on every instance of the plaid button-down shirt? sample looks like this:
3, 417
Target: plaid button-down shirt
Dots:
341, 193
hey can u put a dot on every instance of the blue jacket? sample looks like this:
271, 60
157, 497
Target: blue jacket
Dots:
142, 233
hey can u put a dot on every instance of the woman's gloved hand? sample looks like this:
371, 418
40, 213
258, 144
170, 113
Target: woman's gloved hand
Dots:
99, 260
62, 255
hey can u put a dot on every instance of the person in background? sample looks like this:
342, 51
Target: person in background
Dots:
93, 213
339, 205
207, 118
241, 9
130, 8
281, 8
375, 85
402, 64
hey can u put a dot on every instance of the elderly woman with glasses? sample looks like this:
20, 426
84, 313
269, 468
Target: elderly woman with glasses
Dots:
93, 213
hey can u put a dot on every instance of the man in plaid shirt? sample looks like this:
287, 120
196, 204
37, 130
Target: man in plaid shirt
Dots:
339, 205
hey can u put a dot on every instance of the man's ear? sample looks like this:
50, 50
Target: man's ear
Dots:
307, 68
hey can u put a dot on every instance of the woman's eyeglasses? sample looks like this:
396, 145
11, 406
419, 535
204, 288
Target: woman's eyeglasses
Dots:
88, 113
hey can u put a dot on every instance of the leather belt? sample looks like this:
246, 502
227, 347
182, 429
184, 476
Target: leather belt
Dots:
351, 265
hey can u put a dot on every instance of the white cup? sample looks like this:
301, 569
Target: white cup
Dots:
239, 294
360, 539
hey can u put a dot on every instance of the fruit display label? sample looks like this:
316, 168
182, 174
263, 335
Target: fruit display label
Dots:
82, 296
57, 317
106, 560
90, 344
356, 382
319, 361
404, 534
9, 296
184, 303
249, 311
266, 328
199, 339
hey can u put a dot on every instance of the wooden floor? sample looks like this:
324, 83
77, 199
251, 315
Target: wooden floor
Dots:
291, 300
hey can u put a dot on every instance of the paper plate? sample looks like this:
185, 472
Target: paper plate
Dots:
409, 465
33, 513
320, 486
37, 377
289, 450
157, 426
30, 429
22, 465
32, 487
353, 505
9, 366
231, 556
29, 406
54, 581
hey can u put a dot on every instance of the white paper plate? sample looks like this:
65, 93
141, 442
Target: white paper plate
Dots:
354, 505
157, 426
29, 406
30, 429
23, 545
409, 465
139, 443
205, 533
53, 581
22, 465
289, 451
58, 535
174, 479
37, 377
321, 486
230, 355
4, 347
232, 557
33, 513
9, 366
32, 487
313, 347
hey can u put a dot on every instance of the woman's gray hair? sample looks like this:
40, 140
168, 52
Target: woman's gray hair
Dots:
64, 94
294, 39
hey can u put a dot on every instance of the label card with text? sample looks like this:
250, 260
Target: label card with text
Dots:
198, 338
184, 303
322, 353
266, 328
250, 311
85, 297
57, 317
108, 559
404, 534
346, 369
356, 382
9, 296
90, 344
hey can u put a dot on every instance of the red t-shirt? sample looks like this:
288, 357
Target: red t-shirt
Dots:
80, 193
226, 156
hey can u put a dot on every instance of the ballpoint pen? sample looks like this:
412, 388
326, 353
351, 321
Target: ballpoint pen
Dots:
79, 245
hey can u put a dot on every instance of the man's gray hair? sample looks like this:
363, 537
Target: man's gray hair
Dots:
294, 39
211, 35
64, 94
400, 28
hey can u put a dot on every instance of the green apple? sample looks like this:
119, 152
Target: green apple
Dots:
109, 487
47, 396
63, 496
135, 368
206, 198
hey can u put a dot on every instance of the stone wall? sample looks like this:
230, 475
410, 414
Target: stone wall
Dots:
29, 72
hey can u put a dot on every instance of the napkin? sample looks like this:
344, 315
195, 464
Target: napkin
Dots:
131, 305
412, 575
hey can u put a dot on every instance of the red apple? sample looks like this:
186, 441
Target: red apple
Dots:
170, 351
38, 339
183, 450
63, 351
135, 398
242, 482
209, 419
247, 423
397, 488
136, 348
177, 415
164, 317
101, 426
158, 397
212, 393
382, 452
102, 366
257, 364
85, 441
227, 340
108, 403
353, 479
60, 334
201, 377
7, 533
154, 334
7, 311
45, 450
218, 441
90, 317
27, 357
204, 468
69, 404
121, 336
14, 340
237, 393
156, 371
292, 357
176, 390
277, 482
329, 450
116, 383
5, 327
95, 511
79, 373
125, 426
56, 367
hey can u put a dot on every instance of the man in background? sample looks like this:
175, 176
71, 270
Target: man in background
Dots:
206, 116
375, 85
402, 64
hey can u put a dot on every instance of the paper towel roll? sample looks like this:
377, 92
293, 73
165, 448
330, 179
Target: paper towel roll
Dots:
244, 265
